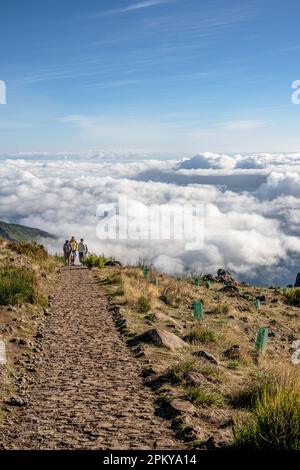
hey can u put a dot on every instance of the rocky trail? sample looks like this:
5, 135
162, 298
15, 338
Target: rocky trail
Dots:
85, 389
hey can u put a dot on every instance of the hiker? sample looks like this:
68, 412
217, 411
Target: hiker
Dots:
74, 246
82, 250
67, 248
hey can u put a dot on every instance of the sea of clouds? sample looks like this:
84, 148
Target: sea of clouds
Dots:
252, 206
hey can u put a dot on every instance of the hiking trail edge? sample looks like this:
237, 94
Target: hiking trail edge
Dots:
85, 391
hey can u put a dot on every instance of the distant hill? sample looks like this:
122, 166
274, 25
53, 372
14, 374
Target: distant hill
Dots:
21, 233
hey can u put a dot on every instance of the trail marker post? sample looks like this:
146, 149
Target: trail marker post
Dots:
262, 337
146, 272
198, 310
257, 303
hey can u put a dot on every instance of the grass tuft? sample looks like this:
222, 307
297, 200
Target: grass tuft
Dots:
202, 334
203, 396
292, 297
143, 305
275, 422
17, 286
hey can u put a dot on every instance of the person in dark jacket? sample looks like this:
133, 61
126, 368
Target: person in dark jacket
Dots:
67, 252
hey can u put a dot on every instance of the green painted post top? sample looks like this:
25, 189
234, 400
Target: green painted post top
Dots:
262, 339
146, 272
198, 310
257, 303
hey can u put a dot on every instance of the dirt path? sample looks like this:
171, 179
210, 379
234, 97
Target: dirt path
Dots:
86, 392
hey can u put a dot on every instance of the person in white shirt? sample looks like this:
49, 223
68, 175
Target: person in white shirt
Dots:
82, 250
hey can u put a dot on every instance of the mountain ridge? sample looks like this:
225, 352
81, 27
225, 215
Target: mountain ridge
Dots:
21, 233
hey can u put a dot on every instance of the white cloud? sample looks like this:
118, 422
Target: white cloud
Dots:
253, 233
129, 8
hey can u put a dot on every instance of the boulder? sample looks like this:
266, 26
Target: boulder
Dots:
225, 276
209, 277
230, 289
206, 355
168, 320
195, 378
162, 338
234, 352
112, 263
183, 406
297, 283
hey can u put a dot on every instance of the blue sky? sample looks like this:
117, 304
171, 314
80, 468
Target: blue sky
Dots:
176, 76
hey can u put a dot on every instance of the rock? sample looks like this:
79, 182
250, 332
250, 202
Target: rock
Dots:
161, 338
112, 263
297, 282
230, 288
3, 359
244, 319
234, 352
183, 406
165, 318
261, 298
206, 355
231, 317
225, 276
15, 401
195, 378
272, 333
39, 334
209, 277
12, 309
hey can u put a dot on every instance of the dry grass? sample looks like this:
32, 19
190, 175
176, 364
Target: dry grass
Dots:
275, 420
133, 287
175, 293
292, 296
202, 334
220, 309
240, 381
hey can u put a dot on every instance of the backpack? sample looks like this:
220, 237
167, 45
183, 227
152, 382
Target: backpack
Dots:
67, 248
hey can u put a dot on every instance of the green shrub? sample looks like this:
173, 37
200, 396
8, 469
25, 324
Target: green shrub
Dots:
94, 261
201, 334
203, 396
143, 304
17, 286
292, 297
260, 382
274, 424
